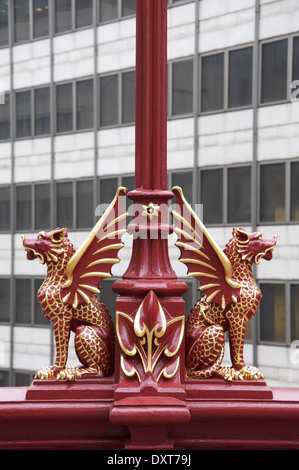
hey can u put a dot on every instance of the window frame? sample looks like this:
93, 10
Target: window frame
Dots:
73, 84
225, 169
226, 54
289, 68
31, 37
170, 112
73, 19
32, 225
32, 302
119, 74
288, 202
117, 18
32, 134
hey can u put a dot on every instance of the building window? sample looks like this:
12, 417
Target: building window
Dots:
40, 18
42, 206
295, 70
42, 111
64, 204
211, 195
63, 15
274, 71
85, 204
272, 313
184, 180
111, 10
66, 121
28, 310
128, 97
182, 87
294, 191
4, 300
83, 13
21, 20
23, 301
64, 107
72, 14
108, 100
212, 82
294, 312
3, 22
108, 187
240, 77
239, 195
38, 316
272, 193
117, 99
23, 114
128, 7
84, 102
108, 10
5, 208
24, 207
5, 118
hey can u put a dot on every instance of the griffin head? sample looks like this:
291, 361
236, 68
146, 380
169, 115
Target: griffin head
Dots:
252, 246
47, 246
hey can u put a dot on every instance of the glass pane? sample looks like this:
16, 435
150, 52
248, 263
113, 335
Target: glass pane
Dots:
40, 18
294, 312
4, 300
21, 20
3, 22
64, 204
108, 10
108, 297
182, 87
295, 191
23, 379
184, 181
23, 301
239, 195
39, 317
85, 211
272, 193
128, 7
272, 313
5, 208
23, 114
5, 118
64, 106
85, 104
212, 82
108, 187
240, 77
63, 15
296, 58
211, 196
83, 13
42, 111
24, 209
274, 71
128, 182
109, 100
128, 98
42, 206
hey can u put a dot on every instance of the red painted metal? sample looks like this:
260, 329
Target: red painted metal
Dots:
149, 404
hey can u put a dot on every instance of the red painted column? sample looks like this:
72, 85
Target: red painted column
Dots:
150, 310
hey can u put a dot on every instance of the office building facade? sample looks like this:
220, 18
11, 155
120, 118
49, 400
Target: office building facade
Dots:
67, 76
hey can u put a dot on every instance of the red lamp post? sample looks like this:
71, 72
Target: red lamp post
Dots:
150, 311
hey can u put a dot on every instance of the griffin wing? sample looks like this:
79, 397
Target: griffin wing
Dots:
94, 259
204, 259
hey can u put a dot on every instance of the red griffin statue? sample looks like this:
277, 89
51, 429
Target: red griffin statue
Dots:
231, 293
68, 295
